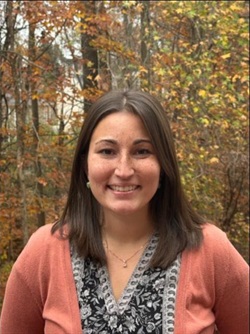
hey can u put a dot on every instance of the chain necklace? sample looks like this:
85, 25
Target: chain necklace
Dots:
125, 261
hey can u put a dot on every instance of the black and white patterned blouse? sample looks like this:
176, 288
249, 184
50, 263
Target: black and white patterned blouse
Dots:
147, 304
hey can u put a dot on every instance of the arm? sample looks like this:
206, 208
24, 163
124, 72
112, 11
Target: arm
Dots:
23, 303
20, 312
40, 294
213, 287
232, 306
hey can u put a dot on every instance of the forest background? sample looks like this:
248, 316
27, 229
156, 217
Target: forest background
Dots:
57, 57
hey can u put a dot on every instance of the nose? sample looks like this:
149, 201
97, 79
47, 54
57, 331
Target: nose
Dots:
125, 167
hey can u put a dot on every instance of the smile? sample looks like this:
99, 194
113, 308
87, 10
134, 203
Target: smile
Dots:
123, 189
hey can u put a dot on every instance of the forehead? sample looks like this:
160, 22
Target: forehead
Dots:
122, 123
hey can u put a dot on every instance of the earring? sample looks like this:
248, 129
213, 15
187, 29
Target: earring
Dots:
88, 185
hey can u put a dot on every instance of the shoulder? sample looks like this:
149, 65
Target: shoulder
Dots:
216, 243
43, 248
217, 263
216, 252
211, 230
213, 236
40, 235
44, 237
44, 256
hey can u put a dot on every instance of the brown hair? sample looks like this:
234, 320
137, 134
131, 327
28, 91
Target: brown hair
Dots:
179, 226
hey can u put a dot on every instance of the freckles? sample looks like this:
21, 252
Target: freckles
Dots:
98, 170
152, 167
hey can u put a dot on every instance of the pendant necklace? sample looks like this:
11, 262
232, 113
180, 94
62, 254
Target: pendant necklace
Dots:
125, 261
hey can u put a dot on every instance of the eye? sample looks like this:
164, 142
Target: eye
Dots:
106, 151
143, 152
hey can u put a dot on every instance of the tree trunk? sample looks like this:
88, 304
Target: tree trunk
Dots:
145, 40
20, 114
31, 88
89, 57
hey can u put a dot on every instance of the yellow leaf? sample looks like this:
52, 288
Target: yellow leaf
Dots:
161, 71
235, 77
179, 10
177, 84
228, 55
244, 35
225, 125
214, 160
156, 38
202, 93
232, 98
244, 79
234, 6
205, 121
241, 21
143, 69
90, 63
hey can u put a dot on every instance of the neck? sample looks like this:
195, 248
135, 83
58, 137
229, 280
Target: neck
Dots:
127, 229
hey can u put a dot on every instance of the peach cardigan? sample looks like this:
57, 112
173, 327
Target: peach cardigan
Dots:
41, 295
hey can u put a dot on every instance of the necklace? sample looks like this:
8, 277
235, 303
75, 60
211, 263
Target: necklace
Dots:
125, 261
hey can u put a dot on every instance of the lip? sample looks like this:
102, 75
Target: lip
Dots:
123, 188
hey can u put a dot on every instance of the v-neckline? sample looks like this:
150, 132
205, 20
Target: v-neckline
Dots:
122, 303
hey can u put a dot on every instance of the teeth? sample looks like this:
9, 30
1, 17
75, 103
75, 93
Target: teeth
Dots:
124, 189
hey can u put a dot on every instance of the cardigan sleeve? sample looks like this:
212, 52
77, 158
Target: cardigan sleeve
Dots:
40, 295
232, 287
213, 288
20, 313
22, 306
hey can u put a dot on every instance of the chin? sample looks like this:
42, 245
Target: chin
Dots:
126, 211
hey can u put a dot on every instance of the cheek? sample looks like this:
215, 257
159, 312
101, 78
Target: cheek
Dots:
153, 172
97, 171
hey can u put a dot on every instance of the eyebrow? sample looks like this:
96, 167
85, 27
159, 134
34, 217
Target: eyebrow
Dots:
114, 142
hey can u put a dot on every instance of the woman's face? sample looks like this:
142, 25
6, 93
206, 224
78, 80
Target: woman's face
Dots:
122, 166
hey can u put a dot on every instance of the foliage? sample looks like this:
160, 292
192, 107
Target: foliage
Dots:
193, 55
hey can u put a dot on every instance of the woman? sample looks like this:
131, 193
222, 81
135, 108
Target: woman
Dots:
129, 254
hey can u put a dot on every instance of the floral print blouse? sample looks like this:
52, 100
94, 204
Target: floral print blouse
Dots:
147, 304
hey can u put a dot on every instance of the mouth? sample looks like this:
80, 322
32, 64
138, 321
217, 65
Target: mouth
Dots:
123, 188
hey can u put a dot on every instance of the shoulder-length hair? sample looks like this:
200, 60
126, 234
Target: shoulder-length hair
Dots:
178, 225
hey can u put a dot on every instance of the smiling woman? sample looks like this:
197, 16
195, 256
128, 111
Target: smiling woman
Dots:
122, 167
129, 254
